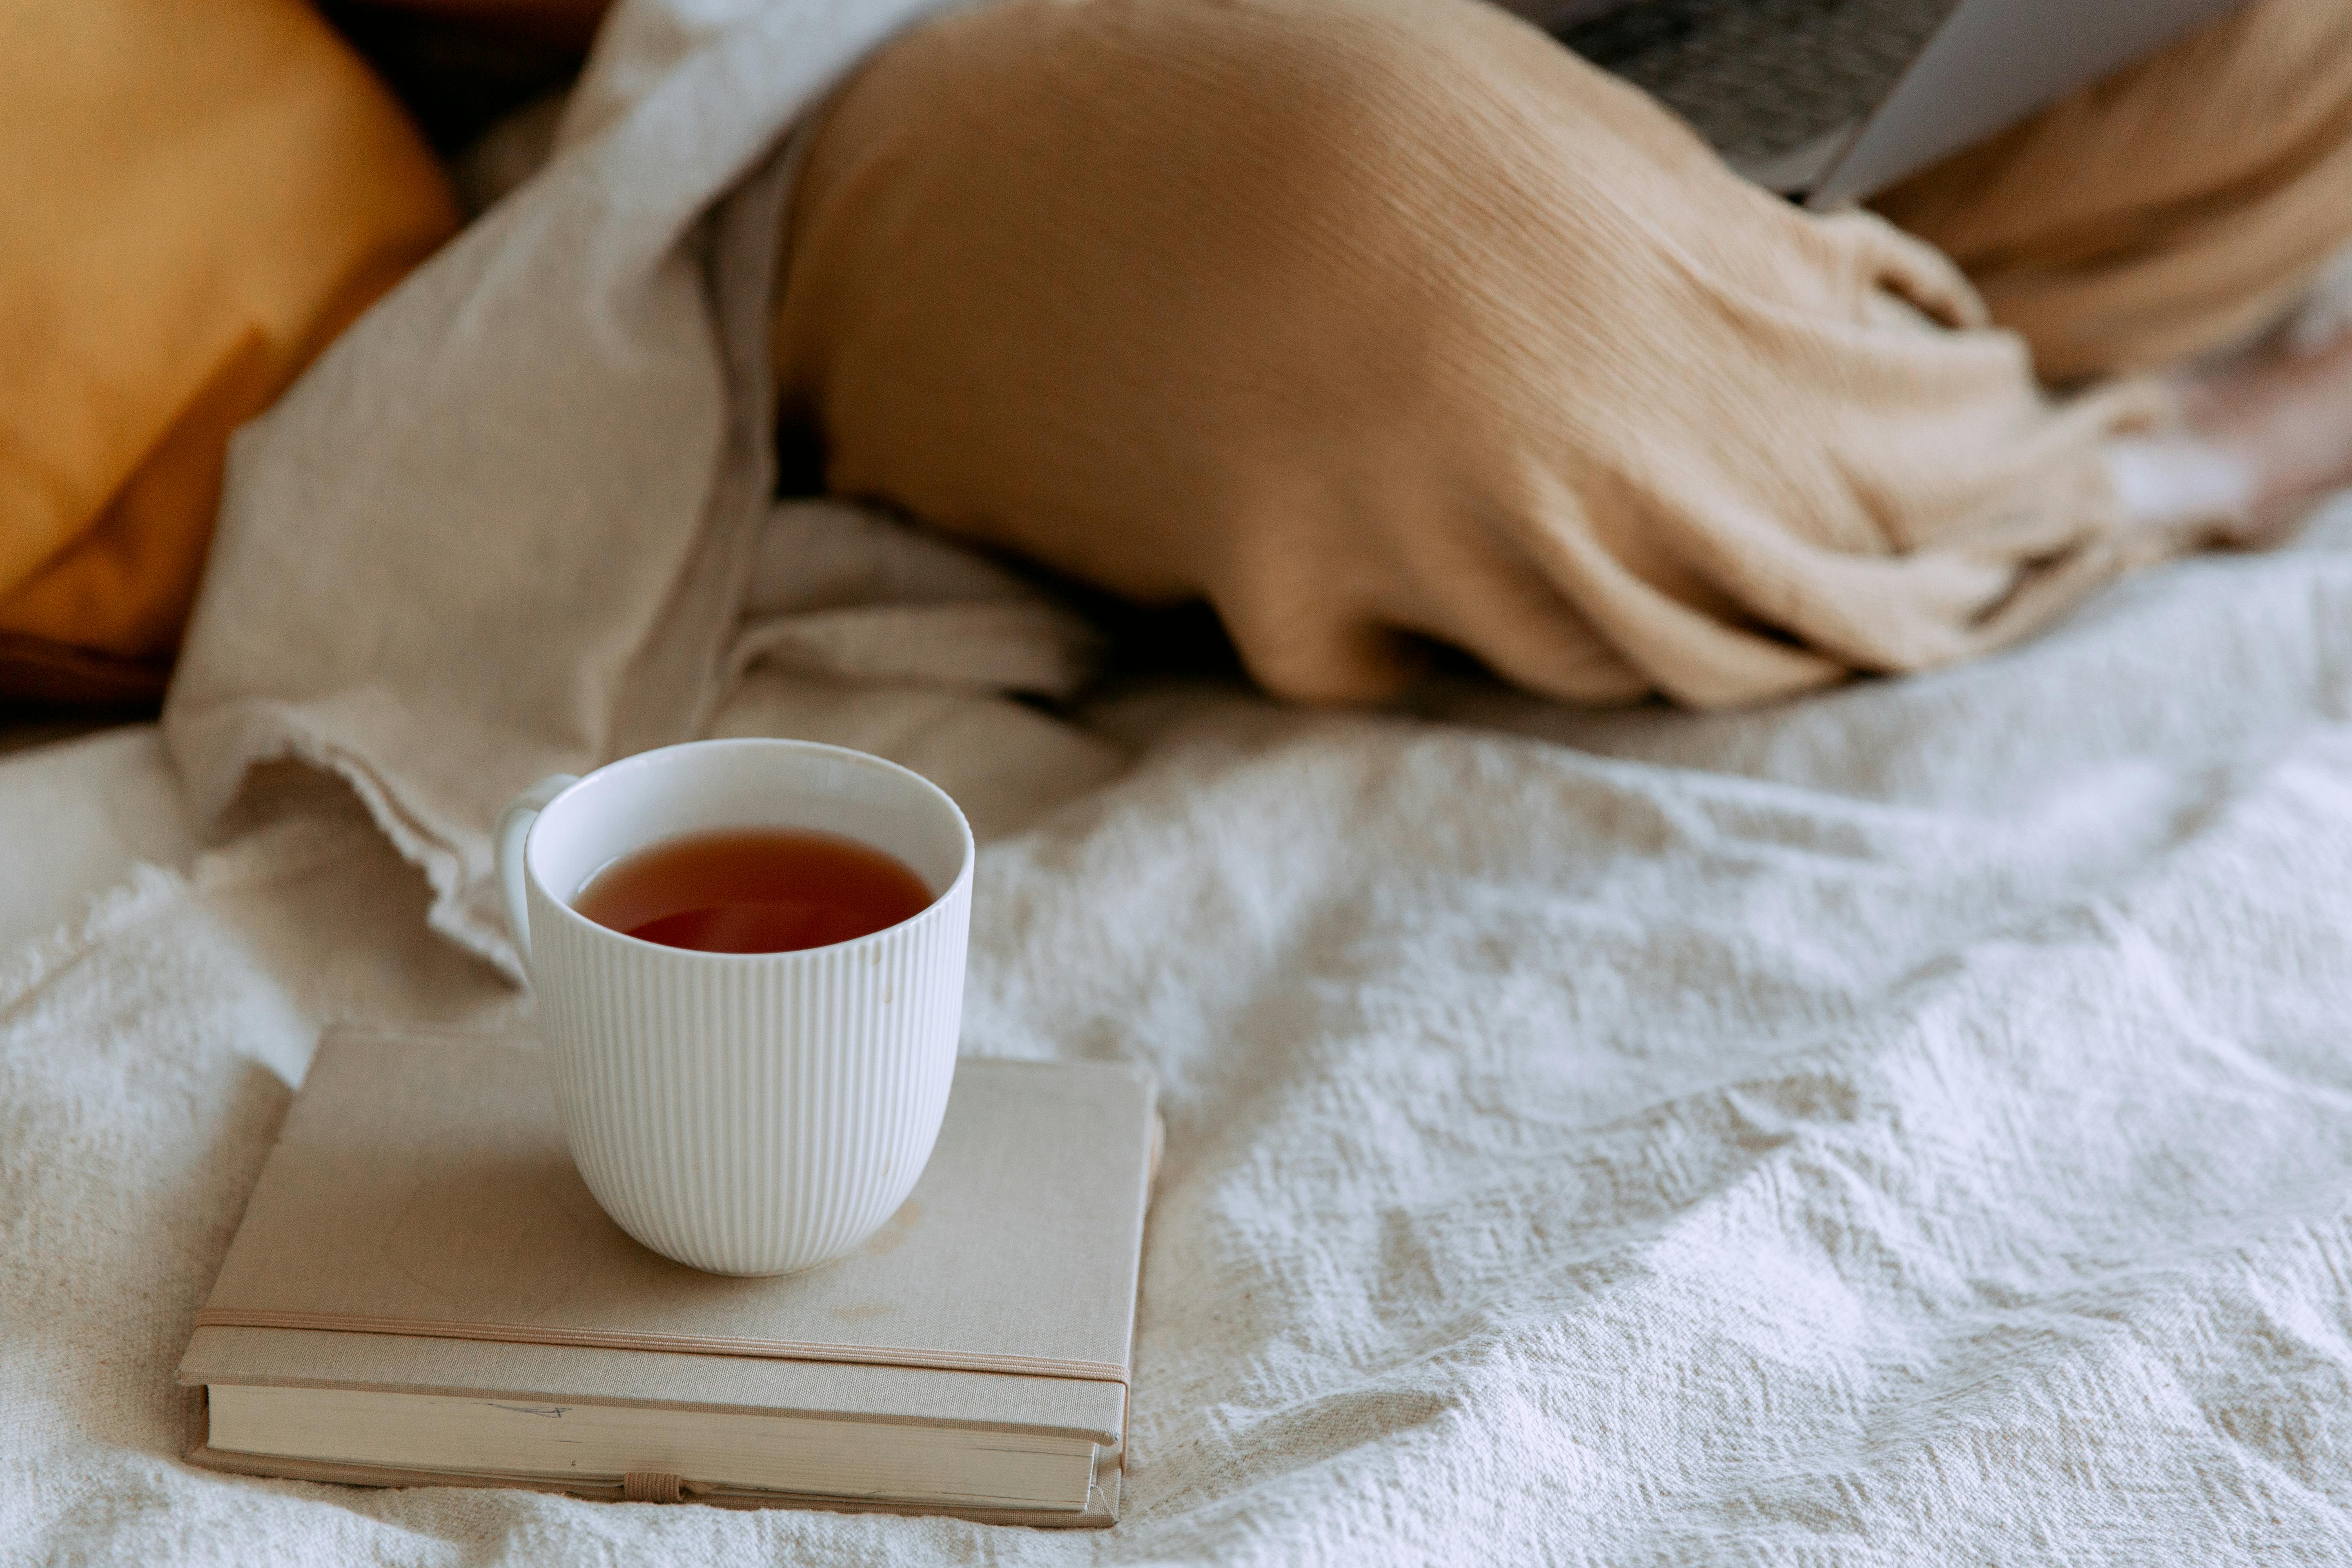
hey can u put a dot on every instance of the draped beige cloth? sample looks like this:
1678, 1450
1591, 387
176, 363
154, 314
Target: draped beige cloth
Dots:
1347, 317
1368, 317
2169, 211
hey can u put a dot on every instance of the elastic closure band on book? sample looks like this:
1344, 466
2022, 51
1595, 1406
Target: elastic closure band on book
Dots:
680, 1344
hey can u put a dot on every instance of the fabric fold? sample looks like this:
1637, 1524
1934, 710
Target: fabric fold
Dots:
501, 527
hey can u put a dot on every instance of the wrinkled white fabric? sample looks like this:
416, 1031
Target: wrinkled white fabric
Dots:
839, 590
1911, 1126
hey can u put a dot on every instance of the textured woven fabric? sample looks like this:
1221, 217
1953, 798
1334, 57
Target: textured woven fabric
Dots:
1907, 1127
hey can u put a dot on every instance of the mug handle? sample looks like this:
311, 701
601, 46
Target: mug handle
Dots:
509, 836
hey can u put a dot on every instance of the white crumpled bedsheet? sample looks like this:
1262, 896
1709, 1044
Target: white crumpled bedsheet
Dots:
1911, 1126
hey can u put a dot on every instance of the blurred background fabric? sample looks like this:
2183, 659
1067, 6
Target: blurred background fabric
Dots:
203, 193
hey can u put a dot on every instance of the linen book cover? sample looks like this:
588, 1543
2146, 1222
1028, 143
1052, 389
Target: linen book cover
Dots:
423, 1291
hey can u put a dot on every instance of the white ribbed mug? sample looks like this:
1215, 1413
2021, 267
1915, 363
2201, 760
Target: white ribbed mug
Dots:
745, 1113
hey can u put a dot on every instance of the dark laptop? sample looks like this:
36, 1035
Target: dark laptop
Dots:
1835, 99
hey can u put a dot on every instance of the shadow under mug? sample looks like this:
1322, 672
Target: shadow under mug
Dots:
744, 1113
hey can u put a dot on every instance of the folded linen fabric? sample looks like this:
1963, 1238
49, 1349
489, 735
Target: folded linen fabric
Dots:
501, 527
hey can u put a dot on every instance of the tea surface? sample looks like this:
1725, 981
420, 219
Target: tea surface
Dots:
761, 889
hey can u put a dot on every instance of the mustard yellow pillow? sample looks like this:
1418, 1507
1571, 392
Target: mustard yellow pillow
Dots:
200, 195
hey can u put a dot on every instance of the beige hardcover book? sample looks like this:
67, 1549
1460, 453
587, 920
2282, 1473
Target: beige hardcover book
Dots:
423, 1292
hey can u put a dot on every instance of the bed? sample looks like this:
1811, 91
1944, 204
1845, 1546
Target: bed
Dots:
1907, 1125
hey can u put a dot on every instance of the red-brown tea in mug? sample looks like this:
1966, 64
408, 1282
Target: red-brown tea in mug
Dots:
756, 889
